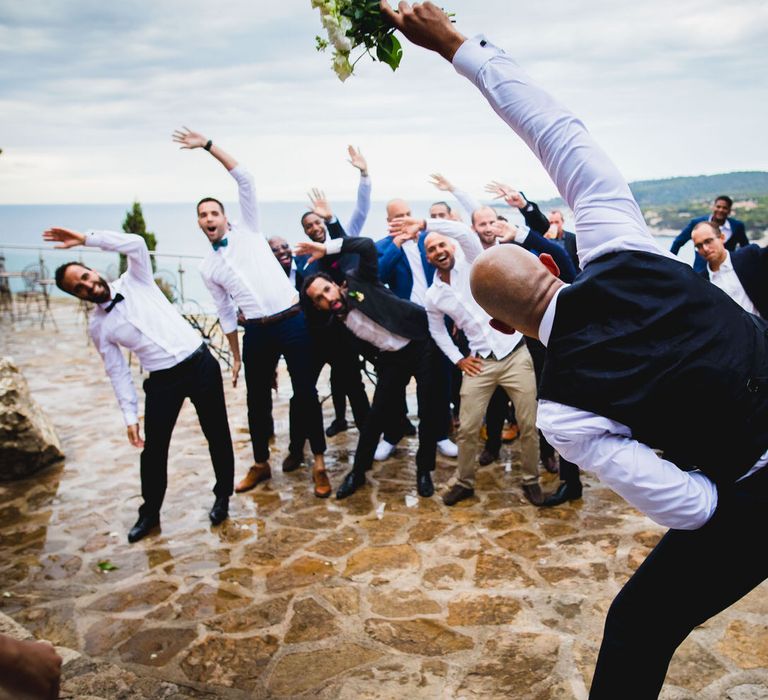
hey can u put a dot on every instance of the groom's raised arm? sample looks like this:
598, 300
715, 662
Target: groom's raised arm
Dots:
607, 216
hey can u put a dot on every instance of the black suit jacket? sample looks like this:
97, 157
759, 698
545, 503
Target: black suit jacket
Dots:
366, 293
536, 221
750, 264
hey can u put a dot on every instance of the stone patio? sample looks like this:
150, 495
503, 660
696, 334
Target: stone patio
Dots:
376, 596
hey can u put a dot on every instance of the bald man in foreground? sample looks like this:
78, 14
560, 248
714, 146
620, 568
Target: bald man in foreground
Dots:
641, 353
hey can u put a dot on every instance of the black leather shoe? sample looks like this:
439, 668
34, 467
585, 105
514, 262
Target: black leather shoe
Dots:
292, 462
457, 493
533, 493
351, 483
424, 485
336, 427
486, 457
220, 511
144, 525
564, 492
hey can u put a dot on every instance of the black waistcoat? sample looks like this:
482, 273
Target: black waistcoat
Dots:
643, 340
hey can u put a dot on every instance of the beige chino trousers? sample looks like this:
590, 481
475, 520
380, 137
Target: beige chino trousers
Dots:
515, 375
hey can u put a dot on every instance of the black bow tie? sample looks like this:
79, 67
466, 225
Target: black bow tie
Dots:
118, 298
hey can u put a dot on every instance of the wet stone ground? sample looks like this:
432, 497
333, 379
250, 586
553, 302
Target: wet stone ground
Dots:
370, 597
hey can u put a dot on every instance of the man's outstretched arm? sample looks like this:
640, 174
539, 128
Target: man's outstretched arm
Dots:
363, 203
246, 189
607, 216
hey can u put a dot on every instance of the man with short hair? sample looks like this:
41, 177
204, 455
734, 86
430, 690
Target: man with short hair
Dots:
133, 313
640, 351
741, 274
241, 272
733, 230
396, 331
495, 360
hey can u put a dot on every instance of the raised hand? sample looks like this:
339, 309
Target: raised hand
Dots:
504, 231
314, 250
509, 194
63, 236
319, 204
357, 159
188, 138
441, 182
406, 227
425, 24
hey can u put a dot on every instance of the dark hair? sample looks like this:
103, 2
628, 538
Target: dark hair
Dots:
311, 278
305, 215
209, 199
61, 270
441, 203
499, 217
725, 198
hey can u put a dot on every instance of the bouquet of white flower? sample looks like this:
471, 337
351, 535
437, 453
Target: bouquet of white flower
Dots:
353, 23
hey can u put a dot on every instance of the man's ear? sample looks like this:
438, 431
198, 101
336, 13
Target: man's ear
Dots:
549, 262
501, 326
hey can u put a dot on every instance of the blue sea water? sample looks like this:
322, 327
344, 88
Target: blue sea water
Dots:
175, 226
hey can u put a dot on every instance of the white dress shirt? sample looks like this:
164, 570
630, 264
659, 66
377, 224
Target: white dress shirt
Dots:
362, 207
725, 228
145, 322
413, 255
245, 272
727, 279
607, 220
467, 201
367, 329
454, 299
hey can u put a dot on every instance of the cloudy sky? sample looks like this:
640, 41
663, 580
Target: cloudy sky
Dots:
91, 91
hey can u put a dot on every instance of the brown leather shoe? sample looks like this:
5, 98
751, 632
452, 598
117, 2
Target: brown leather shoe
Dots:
510, 433
533, 493
457, 493
322, 484
256, 474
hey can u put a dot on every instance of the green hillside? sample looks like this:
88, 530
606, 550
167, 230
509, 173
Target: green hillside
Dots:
671, 202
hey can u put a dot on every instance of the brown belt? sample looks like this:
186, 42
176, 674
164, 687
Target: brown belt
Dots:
274, 318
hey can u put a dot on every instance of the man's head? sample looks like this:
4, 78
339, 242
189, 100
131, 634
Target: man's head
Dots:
721, 209
397, 209
556, 219
282, 251
314, 227
440, 210
325, 294
80, 281
482, 224
211, 219
441, 251
709, 242
513, 286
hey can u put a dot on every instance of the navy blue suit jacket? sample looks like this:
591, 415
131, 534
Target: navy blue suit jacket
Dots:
394, 270
750, 264
738, 238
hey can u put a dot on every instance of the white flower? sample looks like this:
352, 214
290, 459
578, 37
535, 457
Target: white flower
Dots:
339, 40
341, 66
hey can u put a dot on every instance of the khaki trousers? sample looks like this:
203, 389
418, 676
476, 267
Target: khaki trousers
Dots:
515, 375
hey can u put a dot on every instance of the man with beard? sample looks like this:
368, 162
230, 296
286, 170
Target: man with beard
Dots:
396, 331
241, 272
133, 313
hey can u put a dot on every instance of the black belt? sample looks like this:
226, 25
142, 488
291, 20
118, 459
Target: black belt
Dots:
185, 362
274, 318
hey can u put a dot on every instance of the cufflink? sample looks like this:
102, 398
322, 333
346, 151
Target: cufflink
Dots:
483, 42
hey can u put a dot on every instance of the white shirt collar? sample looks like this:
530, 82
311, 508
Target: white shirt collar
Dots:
548, 319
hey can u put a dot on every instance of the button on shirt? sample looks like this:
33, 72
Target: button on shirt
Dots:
246, 273
727, 279
456, 301
145, 322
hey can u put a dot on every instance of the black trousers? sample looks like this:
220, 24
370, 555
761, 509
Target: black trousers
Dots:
262, 347
199, 379
335, 348
419, 359
690, 576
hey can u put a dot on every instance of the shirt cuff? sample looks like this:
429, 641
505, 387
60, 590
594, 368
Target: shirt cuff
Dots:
130, 418
472, 55
91, 238
333, 246
522, 234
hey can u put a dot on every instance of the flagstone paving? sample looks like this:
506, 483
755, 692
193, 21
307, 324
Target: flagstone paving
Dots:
370, 597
